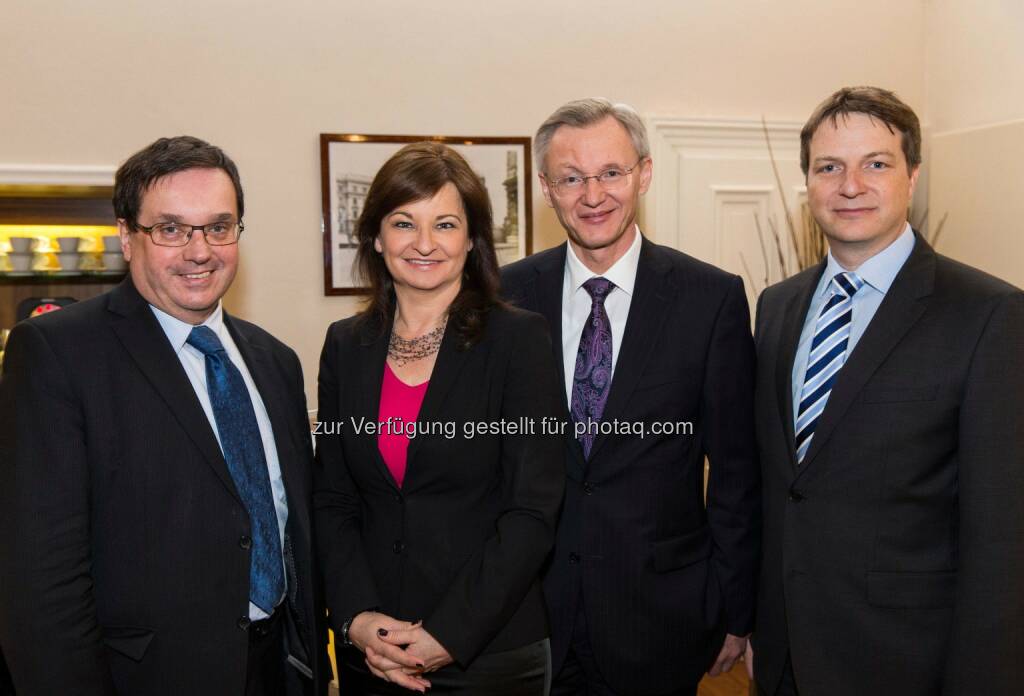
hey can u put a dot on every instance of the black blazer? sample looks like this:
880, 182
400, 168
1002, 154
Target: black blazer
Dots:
460, 545
124, 554
663, 574
894, 557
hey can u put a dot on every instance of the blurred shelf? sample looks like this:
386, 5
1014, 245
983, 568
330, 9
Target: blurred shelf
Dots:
60, 277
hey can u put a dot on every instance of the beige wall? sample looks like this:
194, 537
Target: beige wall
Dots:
90, 82
974, 77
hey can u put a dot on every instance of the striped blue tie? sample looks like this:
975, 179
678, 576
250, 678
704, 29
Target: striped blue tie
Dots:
828, 353
243, 451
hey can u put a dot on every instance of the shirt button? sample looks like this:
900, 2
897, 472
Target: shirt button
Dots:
244, 542
398, 547
574, 558
243, 623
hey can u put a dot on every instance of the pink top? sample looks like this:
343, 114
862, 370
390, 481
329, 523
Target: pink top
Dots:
401, 403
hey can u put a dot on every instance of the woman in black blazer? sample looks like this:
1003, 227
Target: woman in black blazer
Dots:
432, 544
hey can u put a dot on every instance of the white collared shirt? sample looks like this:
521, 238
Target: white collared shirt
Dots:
194, 363
576, 303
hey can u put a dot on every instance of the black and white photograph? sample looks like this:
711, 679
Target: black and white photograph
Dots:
350, 161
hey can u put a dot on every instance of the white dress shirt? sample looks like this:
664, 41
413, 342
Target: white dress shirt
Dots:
194, 363
576, 303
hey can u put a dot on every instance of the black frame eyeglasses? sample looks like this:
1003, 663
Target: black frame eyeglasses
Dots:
178, 234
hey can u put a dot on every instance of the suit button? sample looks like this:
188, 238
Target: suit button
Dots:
588, 488
398, 547
398, 498
243, 623
574, 558
795, 496
245, 542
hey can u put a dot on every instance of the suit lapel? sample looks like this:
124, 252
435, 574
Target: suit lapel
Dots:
548, 301
140, 333
447, 368
274, 394
373, 352
643, 326
793, 323
902, 306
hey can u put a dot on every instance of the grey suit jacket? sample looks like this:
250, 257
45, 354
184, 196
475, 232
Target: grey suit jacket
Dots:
893, 557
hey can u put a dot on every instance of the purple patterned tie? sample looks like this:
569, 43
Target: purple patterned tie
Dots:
592, 379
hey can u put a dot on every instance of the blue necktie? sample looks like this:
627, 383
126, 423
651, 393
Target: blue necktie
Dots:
827, 357
592, 379
243, 451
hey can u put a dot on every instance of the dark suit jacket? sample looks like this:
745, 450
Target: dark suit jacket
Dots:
124, 554
461, 543
894, 557
662, 574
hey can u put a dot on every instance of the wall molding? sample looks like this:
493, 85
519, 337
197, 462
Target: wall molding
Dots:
58, 174
968, 130
675, 141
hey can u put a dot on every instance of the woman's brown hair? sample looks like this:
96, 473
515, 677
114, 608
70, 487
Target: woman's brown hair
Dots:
414, 173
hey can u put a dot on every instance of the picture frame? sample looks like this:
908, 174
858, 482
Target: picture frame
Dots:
349, 161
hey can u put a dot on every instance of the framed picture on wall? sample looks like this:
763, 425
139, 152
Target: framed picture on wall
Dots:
348, 163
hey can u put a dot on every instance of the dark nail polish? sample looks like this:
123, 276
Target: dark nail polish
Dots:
421, 665
382, 632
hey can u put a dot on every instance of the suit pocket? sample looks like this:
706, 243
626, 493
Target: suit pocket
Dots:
657, 379
130, 641
882, 394
911, 590
681, 551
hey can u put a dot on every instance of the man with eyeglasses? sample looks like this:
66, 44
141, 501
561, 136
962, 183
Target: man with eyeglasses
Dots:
155, 466
650, 584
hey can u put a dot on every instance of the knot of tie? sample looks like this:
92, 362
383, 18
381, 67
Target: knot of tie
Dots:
203, 339
847, 283
598, 288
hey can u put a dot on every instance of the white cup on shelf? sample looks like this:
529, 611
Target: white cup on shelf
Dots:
68, 260
20, 261
114, 261
67, 245
22, 245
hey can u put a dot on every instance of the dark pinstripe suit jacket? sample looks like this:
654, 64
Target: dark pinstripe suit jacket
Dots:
124, 554
663, 573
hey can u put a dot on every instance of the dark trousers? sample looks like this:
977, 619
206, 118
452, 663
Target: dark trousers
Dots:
6, 685
581, 674
265, 667
787, 685
522, 671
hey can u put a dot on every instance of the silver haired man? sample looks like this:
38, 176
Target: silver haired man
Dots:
650, 584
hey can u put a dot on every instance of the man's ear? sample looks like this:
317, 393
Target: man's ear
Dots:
126, 238
914, 173
546, 190
646, 174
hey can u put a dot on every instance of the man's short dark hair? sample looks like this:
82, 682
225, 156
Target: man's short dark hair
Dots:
875, 102
163, 157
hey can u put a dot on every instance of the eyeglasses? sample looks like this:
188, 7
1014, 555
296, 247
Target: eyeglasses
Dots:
610, 179
176, 234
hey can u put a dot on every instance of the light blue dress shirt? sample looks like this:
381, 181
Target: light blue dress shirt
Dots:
194, 363
878, 272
